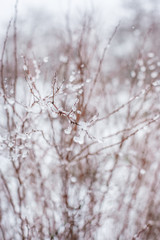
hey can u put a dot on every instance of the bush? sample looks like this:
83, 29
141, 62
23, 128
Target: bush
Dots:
79, 144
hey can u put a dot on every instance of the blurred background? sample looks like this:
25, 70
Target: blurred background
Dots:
79, 125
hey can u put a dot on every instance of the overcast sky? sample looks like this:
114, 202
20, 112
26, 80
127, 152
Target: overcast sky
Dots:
111, 10
7, 7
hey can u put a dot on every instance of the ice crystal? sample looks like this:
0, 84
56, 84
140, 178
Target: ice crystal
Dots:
63, 59
79, 139
88, 80
45, 59
142, 171
68, 130
156, 83
25, 68
78, 112
72, 78
150, 54
154, 74
133, 74
152, 67
73, 179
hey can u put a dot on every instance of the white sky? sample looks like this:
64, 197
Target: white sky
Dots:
109, 8
108, 12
